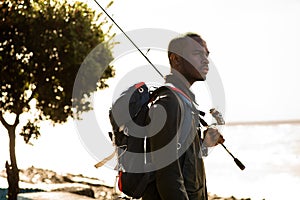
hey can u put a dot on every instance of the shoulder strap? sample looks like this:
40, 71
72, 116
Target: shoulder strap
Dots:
183, 101
201, 113
185, 98
177, 90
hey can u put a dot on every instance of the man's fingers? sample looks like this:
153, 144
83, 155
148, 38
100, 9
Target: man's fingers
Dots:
213, 137
221, 139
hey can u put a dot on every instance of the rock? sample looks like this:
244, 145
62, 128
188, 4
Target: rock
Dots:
37, 175
215, 197
104, 193
89, 192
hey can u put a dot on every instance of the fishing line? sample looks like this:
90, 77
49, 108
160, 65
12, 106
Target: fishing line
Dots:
129, 39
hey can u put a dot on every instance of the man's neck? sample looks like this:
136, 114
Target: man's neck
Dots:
181, 78
181, 83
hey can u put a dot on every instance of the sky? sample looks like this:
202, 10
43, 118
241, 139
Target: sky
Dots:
254, 46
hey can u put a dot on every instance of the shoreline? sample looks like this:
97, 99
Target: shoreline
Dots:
43, 180
263, 123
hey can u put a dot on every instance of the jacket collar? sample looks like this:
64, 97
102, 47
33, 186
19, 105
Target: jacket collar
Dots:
181, 83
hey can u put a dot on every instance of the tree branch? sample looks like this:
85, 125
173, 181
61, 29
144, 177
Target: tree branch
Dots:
5, 124
17, 120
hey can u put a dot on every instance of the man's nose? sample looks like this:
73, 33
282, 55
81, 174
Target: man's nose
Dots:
205, 61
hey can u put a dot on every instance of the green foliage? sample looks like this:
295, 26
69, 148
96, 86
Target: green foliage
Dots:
42, 46
30, 130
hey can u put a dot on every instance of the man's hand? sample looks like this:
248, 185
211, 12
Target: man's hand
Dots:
212, 137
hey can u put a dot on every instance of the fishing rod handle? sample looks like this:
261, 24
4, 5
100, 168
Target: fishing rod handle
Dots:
239, 163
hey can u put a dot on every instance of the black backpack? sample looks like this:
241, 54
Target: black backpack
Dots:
127, 112
128, 115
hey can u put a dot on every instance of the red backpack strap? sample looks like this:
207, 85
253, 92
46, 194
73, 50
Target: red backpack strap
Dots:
180, 91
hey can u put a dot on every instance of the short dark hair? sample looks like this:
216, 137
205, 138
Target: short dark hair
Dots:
176, 45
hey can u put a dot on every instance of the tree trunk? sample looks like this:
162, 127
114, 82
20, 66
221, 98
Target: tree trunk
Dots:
12, 168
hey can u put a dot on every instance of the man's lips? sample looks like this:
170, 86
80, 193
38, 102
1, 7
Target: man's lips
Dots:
204, 70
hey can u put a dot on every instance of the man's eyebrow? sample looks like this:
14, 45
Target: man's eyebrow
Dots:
198, 50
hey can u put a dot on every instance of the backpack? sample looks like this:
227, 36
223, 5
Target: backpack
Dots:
128, 115
127, 112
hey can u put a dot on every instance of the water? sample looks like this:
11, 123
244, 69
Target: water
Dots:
271, 154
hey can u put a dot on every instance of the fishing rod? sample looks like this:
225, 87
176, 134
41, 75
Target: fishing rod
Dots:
218, 116
220, 121
129, 39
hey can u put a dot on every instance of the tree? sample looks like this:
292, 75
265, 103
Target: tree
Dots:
42, 46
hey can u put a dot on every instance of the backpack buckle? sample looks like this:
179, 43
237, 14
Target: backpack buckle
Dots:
178, 146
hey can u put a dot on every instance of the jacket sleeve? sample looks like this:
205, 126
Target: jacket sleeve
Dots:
169, 179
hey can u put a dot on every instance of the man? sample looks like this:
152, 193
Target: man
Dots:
177, 147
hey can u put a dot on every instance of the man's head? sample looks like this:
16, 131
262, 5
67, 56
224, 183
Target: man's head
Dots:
188, 55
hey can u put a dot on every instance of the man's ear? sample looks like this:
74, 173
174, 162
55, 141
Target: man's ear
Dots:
175, 60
